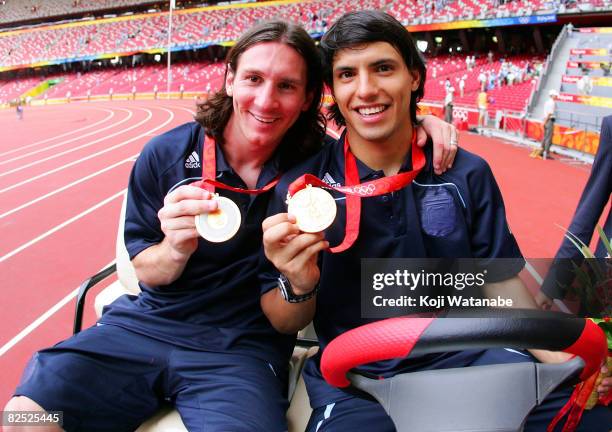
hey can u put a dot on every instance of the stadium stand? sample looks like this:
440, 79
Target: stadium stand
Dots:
586, 82
13, 11
13, 89
204, 76
200, 77
509, 80
425, 12
25, 10
197, 26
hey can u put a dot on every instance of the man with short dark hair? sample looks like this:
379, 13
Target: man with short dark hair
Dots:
376, 75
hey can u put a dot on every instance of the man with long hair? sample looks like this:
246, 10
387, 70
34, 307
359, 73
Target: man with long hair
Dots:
196, 335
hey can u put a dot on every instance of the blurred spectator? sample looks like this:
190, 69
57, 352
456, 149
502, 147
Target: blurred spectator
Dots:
491, 80
549, 126
584, 85
19, 110
448, 104
483, 104
588, 85
482, 79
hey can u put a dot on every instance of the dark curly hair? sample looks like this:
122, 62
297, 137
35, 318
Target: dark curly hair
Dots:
363, 27
305, 137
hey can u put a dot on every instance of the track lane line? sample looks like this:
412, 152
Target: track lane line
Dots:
112, 114
56, 155
60, 226
31, 179
68, 186
41, 319
26, 155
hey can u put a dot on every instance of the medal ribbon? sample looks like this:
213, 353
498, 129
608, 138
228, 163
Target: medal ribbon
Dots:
574, 406
209, 172
354, 190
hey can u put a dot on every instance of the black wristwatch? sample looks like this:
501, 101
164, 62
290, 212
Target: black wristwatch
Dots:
285, 288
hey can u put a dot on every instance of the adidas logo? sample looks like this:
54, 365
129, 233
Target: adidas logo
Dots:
327, 178
193, 161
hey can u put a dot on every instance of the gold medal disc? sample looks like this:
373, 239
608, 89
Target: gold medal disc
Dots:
220, 225
314, 209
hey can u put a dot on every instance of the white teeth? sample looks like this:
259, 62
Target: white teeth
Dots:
264, 120
372, 110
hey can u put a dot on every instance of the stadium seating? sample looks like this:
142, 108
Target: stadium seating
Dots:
208, 76
197, 27
199, 77
22, 10
12, 90
202, 27
512, 97
411, 12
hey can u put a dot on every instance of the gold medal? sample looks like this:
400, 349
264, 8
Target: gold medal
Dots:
220, 225
314, 209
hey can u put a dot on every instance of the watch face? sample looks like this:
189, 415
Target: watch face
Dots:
314, 209
220, 225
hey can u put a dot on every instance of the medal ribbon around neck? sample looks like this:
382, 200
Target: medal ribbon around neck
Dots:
222, 224
209, 172
354, 190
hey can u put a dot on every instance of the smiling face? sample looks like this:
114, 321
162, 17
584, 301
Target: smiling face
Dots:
269, 94
372, 87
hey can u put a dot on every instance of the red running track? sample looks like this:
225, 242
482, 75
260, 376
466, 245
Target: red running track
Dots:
62, 173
